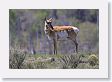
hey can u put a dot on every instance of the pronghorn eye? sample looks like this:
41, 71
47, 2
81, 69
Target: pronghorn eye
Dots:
48, 22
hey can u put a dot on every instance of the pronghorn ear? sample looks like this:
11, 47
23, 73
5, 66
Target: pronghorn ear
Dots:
45, 19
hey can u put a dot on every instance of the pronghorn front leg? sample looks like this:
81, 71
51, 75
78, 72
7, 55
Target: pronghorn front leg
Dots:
55, 46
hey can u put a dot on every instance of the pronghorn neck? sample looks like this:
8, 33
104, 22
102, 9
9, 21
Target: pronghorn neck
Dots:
48, 28
45, 27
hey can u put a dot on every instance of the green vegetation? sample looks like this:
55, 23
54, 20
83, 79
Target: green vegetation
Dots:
21, 60
93, 60
16, 59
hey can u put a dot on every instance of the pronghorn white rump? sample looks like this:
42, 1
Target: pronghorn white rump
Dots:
76, 30
53, 31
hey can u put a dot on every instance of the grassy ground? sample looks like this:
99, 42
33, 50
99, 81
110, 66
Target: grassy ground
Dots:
59, 61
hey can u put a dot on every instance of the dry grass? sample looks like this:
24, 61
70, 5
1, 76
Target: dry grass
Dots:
21, 60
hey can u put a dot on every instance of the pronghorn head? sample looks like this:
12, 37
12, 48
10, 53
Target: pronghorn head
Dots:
48, 25
48, 21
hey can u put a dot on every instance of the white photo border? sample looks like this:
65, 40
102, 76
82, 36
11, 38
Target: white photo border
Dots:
102, 72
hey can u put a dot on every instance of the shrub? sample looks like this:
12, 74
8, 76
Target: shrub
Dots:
16, 59
35, 65
70, 61
93, 60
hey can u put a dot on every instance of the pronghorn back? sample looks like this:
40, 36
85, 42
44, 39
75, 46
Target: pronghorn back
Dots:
63, 28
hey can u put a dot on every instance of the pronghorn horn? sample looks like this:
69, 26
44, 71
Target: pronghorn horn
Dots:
45, 18
50, 19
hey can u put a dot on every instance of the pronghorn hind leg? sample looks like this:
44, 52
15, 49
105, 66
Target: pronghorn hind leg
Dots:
71, 36
76, 44
68, 32
54, 46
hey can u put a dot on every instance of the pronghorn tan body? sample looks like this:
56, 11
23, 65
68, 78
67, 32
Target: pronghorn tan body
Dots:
62, 28
51, 32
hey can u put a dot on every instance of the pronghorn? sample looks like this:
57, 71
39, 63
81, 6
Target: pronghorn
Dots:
51, 32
